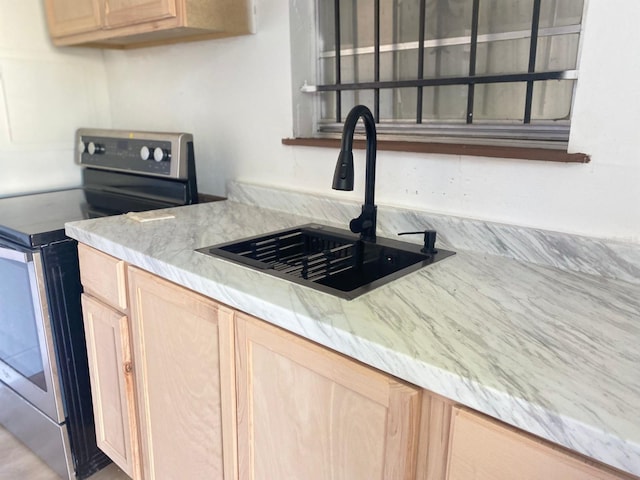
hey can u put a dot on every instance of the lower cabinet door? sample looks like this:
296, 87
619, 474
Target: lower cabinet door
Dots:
306, 412
484, 449
112, 386
183, 351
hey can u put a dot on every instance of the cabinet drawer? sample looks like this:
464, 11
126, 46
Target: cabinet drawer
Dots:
103, 276
484, 449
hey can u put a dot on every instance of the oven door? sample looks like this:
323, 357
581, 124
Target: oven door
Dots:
27, 357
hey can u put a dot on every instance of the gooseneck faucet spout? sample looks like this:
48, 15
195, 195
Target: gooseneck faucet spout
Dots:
365, 224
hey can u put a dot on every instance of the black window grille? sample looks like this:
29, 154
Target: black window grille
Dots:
535, 77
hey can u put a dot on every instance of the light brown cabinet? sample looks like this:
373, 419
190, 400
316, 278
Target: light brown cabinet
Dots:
184, 387
107, 335
122, 13
435, 418
307, 412
135, 23
103, 277
68, 17
184, 373
484, 449
162, 373
109, 356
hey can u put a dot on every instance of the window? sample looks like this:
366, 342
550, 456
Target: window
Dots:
466, 71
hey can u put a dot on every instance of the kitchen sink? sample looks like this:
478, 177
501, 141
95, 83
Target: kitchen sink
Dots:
328, 259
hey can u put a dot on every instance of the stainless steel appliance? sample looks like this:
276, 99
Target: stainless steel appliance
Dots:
45, 397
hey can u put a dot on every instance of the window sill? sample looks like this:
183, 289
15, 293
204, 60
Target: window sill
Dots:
497, 151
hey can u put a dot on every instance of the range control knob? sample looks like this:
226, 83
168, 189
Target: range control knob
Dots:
145, 153
95, 148
160, 154
82, 147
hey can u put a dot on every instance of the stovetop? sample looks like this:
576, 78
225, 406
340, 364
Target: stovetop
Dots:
122, 171
36, 219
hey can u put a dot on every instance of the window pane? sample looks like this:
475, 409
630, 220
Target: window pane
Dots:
359, 97
445, 103
448, 19
559, 13
406, 21
326, 30
501, 101
387, 102
327, 71
398, 104
327, 106
499, 16
557, 53
357, 68
349, 99
449, 61
506, 56
356, 23
552, 100
405, 65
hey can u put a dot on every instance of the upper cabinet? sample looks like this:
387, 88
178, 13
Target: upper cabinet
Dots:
137, 23
122, 13
68, 17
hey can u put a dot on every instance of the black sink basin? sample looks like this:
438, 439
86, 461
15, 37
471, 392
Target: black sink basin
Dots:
328, 259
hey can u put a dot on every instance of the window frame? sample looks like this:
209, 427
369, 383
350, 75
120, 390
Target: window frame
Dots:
438, 138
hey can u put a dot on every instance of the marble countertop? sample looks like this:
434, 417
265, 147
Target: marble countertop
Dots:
553, 352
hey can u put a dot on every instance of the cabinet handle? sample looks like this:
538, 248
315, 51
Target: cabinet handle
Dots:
128, 367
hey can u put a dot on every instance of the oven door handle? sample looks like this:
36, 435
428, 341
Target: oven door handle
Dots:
15, 255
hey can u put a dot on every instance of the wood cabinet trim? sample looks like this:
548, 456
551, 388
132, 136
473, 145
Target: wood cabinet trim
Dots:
403, 431
435, 421
226, 319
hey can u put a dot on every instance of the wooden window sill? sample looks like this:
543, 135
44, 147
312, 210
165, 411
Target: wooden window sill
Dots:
523, 153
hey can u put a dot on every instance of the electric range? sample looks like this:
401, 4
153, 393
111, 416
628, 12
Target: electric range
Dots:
45, 395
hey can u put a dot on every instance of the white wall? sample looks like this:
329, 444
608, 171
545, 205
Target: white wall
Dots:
45, 94
234, 96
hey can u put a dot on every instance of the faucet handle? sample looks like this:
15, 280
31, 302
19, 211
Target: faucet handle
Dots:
429, 240
365, 224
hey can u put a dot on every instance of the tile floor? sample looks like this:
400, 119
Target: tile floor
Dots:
18, 463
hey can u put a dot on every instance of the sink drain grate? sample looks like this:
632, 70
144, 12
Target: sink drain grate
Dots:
301, 255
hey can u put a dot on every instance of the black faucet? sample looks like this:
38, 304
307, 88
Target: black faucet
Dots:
365, 224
